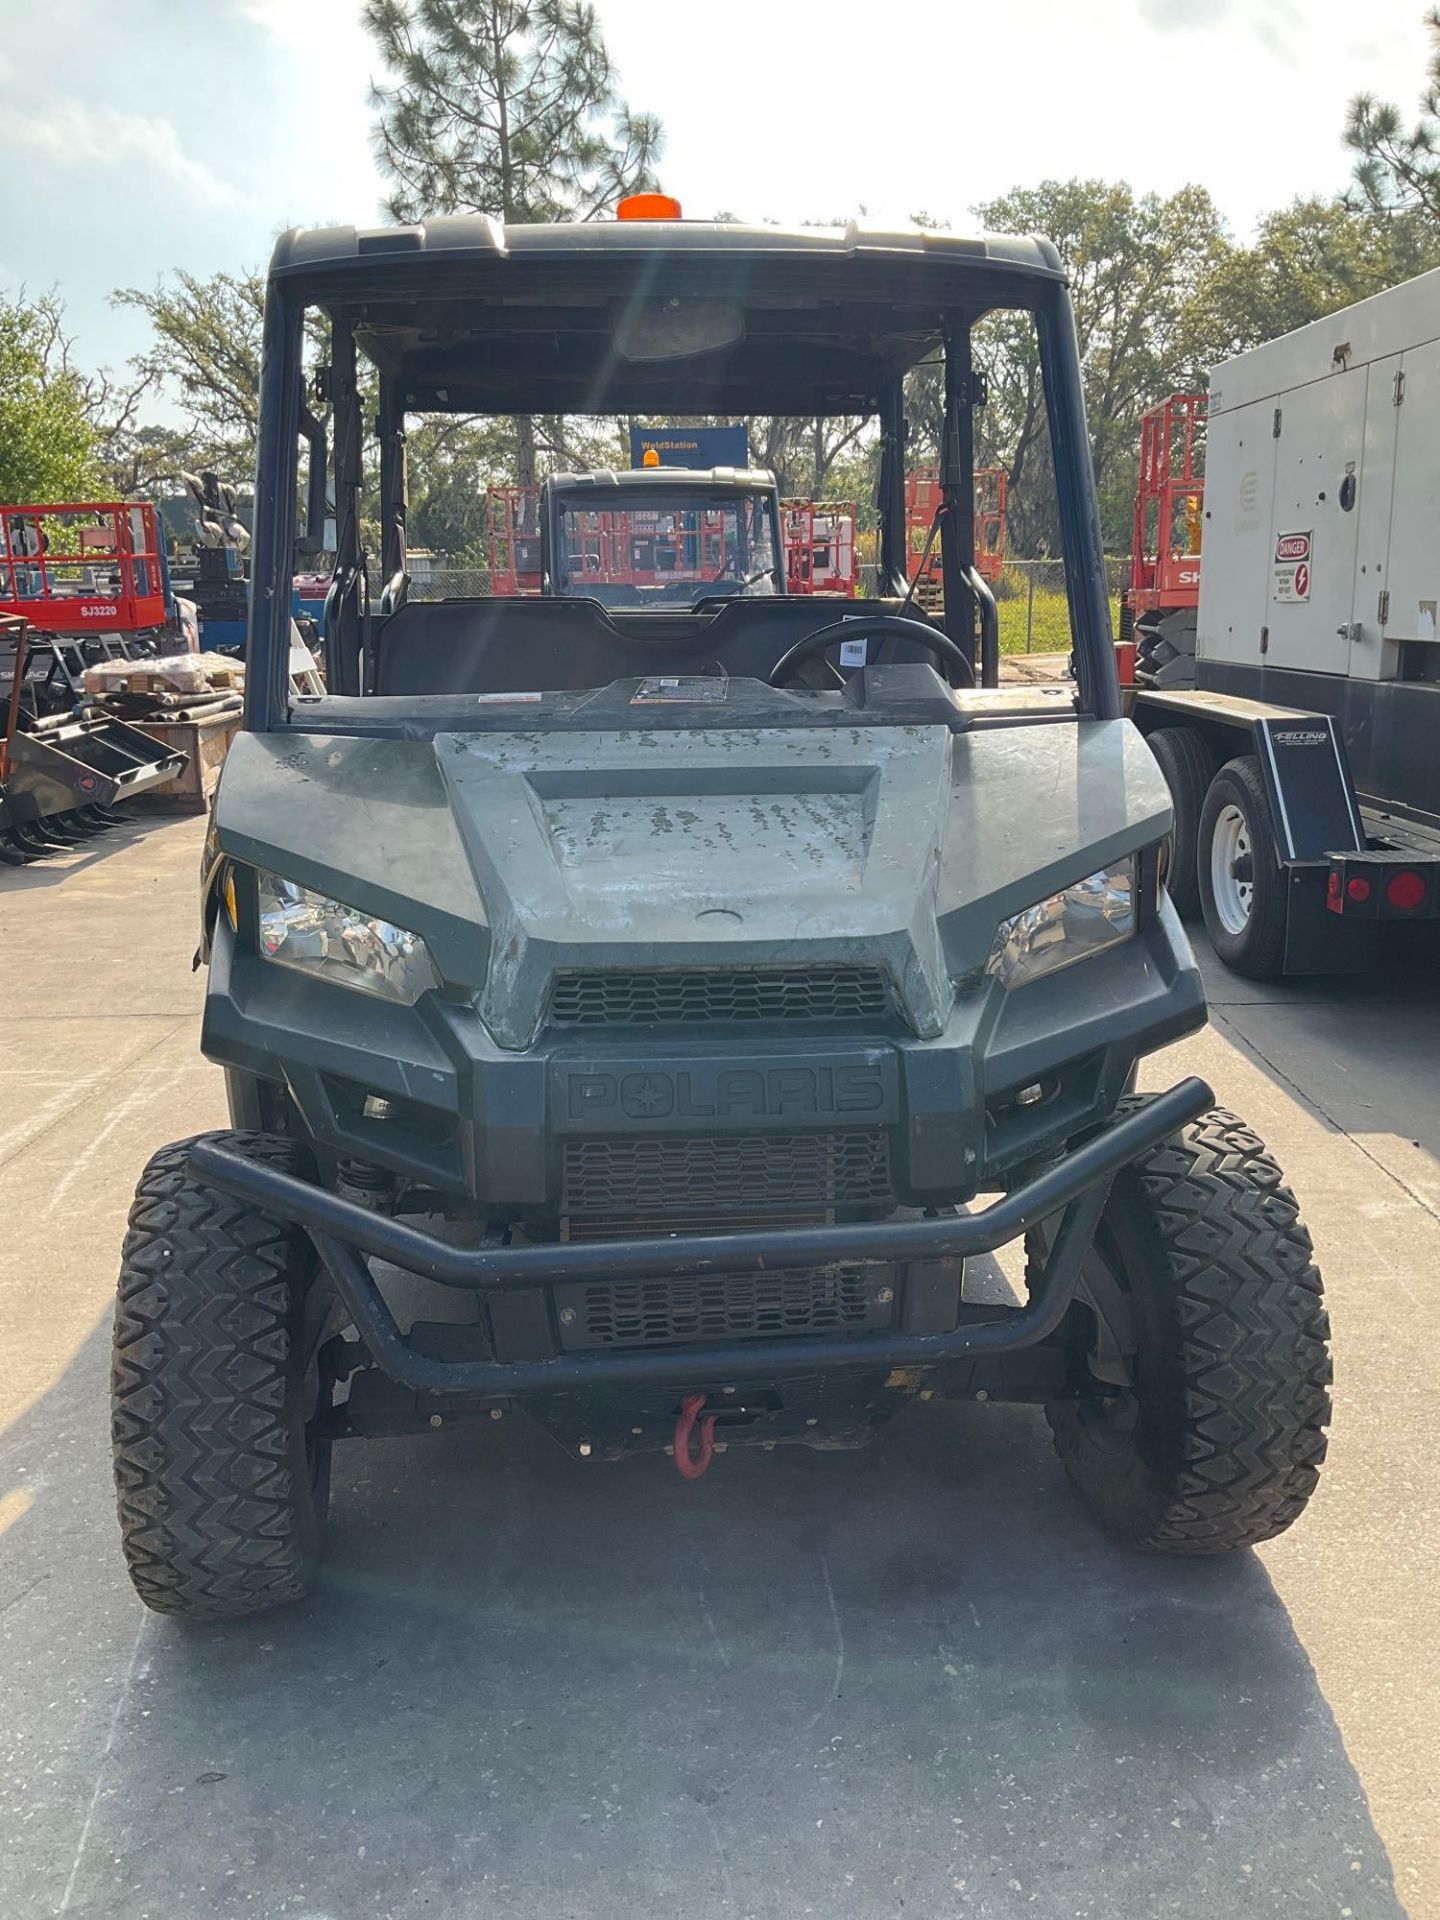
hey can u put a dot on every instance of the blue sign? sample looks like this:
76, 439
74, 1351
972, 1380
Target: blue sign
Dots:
690, 446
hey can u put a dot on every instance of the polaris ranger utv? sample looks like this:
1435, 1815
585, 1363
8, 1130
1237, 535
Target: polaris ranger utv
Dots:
659, 987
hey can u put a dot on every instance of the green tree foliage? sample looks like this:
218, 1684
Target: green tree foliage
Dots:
506, 107
1397, 168
206, 353
47, 444
1307, 260
1135, 263
129, 458
512, 108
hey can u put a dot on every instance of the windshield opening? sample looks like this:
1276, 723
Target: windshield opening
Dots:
465, 550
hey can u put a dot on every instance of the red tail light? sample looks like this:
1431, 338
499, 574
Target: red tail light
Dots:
1404, 890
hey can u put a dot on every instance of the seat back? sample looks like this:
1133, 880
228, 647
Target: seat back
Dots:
535, 643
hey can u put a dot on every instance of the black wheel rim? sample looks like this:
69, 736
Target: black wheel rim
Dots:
1108, 1411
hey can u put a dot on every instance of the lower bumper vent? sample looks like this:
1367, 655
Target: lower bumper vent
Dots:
724, 1306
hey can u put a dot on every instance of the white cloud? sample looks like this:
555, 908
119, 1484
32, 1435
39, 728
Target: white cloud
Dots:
75, 134
301, 22
1277, 24
284, 18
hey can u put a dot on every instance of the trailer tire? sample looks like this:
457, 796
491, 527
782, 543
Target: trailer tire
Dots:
221, 1491
1245, 917
1216, 1441
1188, 764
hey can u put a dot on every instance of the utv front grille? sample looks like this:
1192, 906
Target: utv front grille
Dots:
649, 999
714, 1175
725, 1306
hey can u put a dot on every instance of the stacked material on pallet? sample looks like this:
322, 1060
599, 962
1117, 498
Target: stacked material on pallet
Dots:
181, 686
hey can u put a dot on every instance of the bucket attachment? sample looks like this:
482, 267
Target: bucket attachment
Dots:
62, 765
61, 774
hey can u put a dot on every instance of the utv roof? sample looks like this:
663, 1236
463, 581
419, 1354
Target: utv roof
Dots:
464, 314
308, 249
707, 480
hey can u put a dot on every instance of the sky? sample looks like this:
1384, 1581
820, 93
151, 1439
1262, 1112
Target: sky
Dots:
163, 133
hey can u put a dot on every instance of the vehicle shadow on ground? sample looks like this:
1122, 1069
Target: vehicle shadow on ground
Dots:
909, 1679
1336, 1040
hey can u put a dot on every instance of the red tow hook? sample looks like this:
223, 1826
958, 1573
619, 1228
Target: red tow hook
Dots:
691, 1466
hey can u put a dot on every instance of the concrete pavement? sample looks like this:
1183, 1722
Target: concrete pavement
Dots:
912, 1680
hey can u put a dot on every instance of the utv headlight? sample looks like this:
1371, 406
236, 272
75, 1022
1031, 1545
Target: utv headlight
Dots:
1086, 917
324, 937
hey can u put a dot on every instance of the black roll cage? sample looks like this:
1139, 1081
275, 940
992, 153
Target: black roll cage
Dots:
412, 306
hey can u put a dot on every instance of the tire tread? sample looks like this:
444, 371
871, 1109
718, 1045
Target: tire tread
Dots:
215, 1520
1253, 1339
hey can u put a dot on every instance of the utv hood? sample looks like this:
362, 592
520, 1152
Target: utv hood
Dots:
520, 856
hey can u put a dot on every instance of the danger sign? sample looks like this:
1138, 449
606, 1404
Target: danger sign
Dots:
1292, 566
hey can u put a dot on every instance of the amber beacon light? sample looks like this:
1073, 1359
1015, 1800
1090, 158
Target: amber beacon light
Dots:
648, 206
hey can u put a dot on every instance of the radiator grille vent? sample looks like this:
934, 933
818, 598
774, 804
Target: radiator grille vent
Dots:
719, 1174
651, 999
726, 1306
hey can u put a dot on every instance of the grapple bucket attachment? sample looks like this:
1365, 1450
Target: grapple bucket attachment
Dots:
61, 778
84, 763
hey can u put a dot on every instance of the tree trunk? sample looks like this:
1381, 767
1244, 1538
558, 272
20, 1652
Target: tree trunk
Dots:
524, 450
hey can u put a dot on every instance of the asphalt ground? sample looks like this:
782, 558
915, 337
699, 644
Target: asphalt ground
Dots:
910, 1680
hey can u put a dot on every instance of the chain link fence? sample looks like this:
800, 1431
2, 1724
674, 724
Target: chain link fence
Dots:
451, 583
1034, 612
1030, 600
1029, 597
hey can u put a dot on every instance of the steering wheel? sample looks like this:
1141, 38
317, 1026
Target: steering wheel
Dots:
888, 625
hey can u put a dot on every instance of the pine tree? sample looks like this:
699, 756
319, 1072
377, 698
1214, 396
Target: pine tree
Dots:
1397, 169
505, 107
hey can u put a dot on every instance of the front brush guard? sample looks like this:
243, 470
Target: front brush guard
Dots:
1076, 1187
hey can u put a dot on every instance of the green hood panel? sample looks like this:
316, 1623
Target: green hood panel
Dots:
517, 855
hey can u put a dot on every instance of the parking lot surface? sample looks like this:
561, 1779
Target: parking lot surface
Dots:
912, 1680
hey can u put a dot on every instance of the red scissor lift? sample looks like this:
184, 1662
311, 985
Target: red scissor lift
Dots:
639, 547
91, 567
513, 533
1158, 611
820, 552
88, 579
923, 495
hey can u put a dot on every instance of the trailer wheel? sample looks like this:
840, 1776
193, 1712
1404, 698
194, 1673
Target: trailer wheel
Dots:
1242, 884
1188, 765
217, 1382
1198, 1348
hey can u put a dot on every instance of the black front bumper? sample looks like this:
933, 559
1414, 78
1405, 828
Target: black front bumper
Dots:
1075, 1187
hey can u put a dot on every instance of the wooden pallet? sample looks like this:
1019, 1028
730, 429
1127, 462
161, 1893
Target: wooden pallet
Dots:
206, 742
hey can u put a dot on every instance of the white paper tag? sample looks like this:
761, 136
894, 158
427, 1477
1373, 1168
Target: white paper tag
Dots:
507, 699
853, 652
